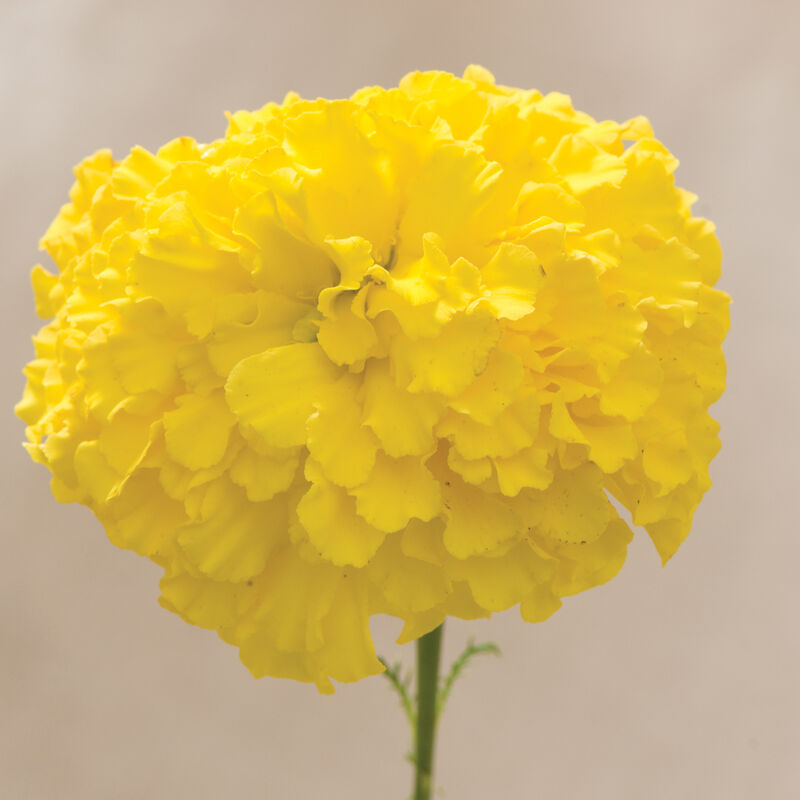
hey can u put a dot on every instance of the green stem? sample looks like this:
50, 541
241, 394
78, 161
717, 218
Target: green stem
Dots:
429, 649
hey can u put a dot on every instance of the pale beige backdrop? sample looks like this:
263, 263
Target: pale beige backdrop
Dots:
679, 683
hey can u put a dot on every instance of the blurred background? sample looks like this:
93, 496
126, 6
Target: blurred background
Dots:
680, 682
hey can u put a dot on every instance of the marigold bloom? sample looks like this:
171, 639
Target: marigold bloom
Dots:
385, 355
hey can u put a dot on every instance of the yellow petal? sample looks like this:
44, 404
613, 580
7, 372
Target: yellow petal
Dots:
197, 431
143, 348
539, 605
262, 658
337, 439
142, 517
576, 509
281, 262
200, 601
420, 623
264, 476
403, 422
582, 566
584, 165
478, 74
423, 541
526, 469
44, 286
411, 303
452, 196
477, 523
511, 280
666, 460
664, 279
633, 386
461, 603
349, 654
451, 361
611, 441
138, 173
549, 200
667, 536
493, 390
328, 515
274, 392
396, 491
178, 481
180, 267
562, 425
233, 537
94, 472
347, 338
354, 259
704, 242
499, 583
474, 471
124, 438
287, 604
249, 324
515, 429
345, 187
196, 370
408, 585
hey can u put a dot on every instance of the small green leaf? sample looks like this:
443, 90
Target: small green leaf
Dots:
400, 684
469, 652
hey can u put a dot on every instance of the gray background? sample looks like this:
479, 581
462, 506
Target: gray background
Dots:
662, 684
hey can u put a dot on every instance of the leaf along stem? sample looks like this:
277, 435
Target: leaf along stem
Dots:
424, 712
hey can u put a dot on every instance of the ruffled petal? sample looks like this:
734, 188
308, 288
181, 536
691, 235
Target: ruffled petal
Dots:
245, 325
197, 431
337, 533
499, 583
451, 361
337, 440
264, 474
274, 392
409, 585
397, 491
576, 509
403, 422
477, 523
142, 517
232, 537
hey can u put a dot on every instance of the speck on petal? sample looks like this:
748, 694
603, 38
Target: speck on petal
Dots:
577, 509
477, 523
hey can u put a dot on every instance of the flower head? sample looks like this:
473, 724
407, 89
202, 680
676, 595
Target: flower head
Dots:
389, 354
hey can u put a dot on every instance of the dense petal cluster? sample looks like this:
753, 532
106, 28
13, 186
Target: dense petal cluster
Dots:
385, 355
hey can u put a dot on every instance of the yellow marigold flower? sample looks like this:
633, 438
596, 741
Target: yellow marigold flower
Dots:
384, 355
